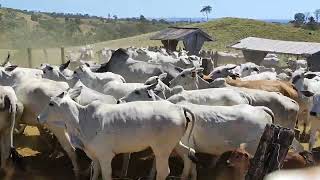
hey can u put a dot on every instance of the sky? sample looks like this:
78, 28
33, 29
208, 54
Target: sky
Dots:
255, 9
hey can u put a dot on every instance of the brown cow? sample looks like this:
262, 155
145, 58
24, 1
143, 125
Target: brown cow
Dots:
232, 165
285, 88
298, 160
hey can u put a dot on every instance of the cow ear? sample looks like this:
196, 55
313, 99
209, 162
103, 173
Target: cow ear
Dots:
310, 76
152, 86
62, 95
88, 65
11, 68
75, 92
162, 76
199, 69
50, 68
150, 93
307, 93
65, 65
7, 103
178, 69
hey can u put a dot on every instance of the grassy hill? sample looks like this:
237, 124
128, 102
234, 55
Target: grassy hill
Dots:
227, 31
21, 29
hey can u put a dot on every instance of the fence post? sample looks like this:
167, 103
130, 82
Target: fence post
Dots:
29, 51
45, 55
63, 60
271, 152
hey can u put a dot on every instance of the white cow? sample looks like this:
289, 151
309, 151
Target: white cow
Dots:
297, 174
10, 112
297, 64
93, 80
137, 71
284, 108
223, 71
106, 130
261, 76
271, 60
190, 80
305, 83
244, 124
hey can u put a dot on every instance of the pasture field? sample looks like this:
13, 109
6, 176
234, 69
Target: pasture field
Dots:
225, 31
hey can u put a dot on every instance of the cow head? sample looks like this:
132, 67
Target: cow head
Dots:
53, 113
187, 78
248, 68
142, 94
315, 110
223, 72
64, 66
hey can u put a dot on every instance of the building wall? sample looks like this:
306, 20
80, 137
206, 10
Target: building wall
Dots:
314, 62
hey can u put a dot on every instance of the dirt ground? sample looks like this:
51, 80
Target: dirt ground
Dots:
37, 164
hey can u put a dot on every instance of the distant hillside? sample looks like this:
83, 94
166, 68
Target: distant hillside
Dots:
21, 29
227, 31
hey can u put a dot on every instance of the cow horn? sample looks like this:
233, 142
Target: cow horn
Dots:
65, 65
231, 68
152, 86
7, 60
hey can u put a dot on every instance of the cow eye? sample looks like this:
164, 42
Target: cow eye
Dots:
51, 104
183, 75
218, 72
75, 72
137, 92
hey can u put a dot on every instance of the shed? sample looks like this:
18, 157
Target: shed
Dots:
255, 49
193, 38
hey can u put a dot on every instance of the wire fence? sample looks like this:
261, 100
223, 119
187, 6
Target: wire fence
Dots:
31, 57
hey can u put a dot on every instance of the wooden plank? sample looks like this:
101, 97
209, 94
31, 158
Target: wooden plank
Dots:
271, 152
63, 60
29, 52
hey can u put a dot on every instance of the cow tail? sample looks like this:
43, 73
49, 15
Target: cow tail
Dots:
192, 153
269, 111
14, 155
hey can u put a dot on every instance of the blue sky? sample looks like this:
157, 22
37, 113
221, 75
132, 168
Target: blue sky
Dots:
257, 9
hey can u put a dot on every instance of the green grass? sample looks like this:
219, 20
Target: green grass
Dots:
18, 30
227, 31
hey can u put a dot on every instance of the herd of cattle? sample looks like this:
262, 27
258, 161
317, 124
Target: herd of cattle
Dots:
138, 98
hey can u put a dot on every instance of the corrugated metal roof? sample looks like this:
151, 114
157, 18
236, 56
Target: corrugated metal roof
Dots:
178, 33
277, 46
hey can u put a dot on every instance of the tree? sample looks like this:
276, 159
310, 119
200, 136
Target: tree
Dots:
311, 24
142, 18
115, 17
299, 18
307, 16
206, 10
317, 14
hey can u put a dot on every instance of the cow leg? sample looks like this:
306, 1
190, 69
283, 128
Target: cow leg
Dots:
162, 164
106, 168
183, 152
95, 169
5, 147
152, 173
3, 152
66, 145
125, 164
313, 138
